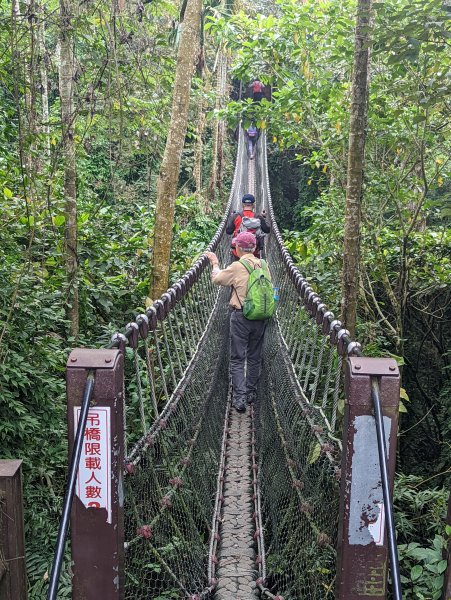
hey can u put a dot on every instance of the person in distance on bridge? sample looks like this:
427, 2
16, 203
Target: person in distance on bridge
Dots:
246, 336
247, 220
258, 90
252, 134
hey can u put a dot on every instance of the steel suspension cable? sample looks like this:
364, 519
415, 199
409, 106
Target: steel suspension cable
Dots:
388, 507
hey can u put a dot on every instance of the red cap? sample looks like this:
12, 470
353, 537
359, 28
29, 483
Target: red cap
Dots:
245, 240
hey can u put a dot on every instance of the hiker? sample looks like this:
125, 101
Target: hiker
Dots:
252, 135
247, 220
251, 304
258, 90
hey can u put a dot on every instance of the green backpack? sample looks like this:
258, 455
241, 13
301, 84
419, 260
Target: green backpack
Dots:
259, 302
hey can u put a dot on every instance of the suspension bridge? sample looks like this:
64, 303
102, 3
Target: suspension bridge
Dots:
173, 494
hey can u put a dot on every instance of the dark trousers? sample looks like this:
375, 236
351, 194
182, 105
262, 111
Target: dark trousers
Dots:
246, 343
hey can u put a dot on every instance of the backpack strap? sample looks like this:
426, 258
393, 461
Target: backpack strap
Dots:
249, 269
240, 214
247, 266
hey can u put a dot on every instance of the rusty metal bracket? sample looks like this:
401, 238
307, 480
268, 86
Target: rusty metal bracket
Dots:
87, 358
362, 540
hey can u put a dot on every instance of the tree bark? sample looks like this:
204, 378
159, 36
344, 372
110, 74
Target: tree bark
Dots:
219, 129
200, 128
66, 84
357, 134
170, 166
43, 67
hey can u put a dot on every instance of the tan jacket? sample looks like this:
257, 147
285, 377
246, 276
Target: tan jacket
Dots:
235, 275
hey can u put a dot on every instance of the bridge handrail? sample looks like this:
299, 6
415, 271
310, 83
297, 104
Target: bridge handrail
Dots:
177, 291
315, 307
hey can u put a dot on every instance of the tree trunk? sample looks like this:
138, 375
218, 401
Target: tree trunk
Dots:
221, 126
357, 133
66, 84
43, 67
170, 166
218, 129
200, 128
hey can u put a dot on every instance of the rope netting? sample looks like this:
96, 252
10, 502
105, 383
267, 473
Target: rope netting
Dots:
176, 396
296, 418
176, 402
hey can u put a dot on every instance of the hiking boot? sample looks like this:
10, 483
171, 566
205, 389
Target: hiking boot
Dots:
239, 406
251, 397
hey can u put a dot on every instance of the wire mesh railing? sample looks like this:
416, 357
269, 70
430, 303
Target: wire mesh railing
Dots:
175, 400
299, 452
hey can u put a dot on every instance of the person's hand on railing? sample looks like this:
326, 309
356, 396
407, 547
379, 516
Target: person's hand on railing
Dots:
212, 258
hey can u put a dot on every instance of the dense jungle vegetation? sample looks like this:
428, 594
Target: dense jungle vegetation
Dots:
115, 117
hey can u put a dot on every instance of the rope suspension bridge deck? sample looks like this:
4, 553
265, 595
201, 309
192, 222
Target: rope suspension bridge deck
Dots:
194, 500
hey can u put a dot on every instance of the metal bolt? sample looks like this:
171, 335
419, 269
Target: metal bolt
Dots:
107, 360
357, 367
73, 359
391, 368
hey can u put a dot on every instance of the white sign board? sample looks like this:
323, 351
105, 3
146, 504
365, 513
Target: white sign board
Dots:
94, 473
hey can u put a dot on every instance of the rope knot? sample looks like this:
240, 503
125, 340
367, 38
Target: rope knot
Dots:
145, 531
327, 447
166, 502
130, 468
306, 508
298, 484
323, 539
176, 482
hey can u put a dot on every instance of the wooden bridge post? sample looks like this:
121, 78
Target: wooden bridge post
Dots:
362, 539
97, 522
13, 581
447, 581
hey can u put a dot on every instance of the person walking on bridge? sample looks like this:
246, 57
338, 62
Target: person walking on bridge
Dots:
246, 336
258, 90
247, 220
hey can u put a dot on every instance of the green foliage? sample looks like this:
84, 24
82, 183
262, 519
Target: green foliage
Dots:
420, 513
424, 570
123, 94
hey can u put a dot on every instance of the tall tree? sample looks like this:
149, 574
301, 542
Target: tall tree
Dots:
218, 127
66, 84
170, 166
357, 134
43, 65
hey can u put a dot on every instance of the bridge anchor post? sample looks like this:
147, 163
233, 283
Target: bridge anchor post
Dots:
447, 582
97, 521
13, 580
362, 538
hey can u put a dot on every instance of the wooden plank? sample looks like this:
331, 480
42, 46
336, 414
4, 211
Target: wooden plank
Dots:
13, 583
